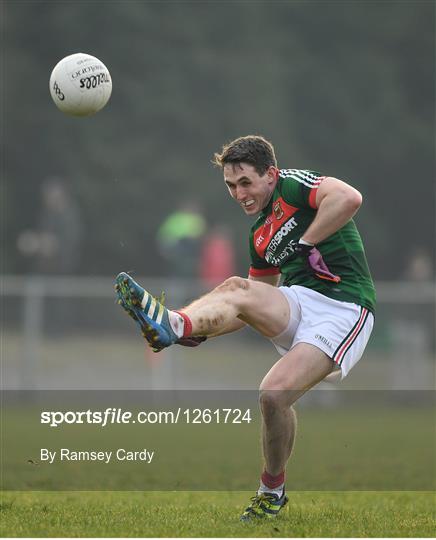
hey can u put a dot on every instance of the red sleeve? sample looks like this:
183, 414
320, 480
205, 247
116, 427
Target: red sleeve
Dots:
258, 272
313, 192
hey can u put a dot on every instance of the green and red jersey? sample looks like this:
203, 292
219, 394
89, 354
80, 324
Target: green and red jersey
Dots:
289, 213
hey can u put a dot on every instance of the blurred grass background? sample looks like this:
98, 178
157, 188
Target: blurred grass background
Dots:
358, 441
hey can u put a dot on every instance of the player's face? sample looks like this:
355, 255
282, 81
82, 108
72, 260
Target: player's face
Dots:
251, 190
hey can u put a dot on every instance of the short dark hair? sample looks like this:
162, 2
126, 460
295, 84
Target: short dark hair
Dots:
252, 149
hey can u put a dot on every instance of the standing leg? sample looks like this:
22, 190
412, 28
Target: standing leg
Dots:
296, 372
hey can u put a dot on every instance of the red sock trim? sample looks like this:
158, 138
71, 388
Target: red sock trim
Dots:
187, 328
271, 481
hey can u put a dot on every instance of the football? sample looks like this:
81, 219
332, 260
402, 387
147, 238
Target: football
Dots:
80, 85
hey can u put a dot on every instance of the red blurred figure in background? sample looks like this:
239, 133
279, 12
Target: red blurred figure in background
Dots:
217, 261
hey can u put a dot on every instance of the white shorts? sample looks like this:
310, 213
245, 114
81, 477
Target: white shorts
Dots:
340, 329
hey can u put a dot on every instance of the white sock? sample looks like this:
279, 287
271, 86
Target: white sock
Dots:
177, 323
265, 489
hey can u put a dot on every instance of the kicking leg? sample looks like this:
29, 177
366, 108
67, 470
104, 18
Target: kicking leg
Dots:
238, 301
227, 308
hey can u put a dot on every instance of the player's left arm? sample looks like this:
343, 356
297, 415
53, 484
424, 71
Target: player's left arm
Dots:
336, 203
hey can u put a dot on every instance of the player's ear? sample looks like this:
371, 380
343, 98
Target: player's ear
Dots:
273, 174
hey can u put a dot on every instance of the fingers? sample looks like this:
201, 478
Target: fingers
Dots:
319, 267
328, 276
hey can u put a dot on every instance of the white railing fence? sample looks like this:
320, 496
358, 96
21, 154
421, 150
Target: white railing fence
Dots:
68, 332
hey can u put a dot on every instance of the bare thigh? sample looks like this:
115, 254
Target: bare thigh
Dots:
262, 306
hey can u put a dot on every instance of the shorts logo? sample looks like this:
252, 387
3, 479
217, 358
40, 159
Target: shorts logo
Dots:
278, 211
324, 340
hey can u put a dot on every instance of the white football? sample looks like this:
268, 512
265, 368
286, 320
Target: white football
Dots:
80, 85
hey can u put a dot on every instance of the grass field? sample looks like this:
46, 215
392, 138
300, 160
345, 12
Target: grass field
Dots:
209, 514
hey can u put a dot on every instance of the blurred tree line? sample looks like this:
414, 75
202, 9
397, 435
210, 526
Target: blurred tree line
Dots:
346, 88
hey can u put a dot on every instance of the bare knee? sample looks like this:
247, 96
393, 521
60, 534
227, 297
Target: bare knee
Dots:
233, 284
235, 290
275, 400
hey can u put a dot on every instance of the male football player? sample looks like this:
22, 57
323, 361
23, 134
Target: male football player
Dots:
319, 320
